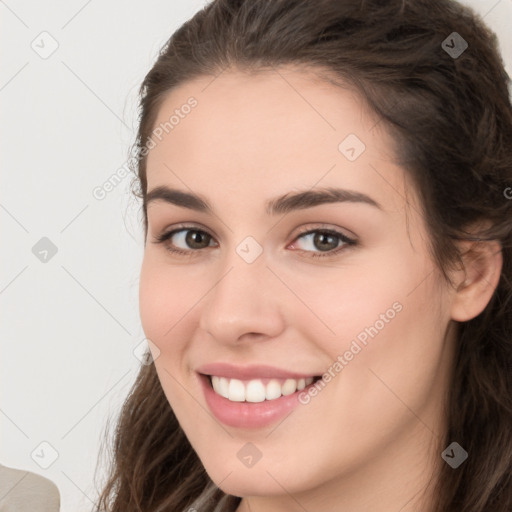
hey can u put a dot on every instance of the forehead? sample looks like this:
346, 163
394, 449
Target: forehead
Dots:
269, 132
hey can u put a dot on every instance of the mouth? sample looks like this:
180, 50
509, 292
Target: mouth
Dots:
252, 397
257, 390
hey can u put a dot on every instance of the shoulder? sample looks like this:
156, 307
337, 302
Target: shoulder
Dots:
22, 491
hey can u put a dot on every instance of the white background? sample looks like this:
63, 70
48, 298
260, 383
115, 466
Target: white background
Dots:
69, 326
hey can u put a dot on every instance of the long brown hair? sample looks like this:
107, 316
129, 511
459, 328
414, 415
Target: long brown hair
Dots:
451, 119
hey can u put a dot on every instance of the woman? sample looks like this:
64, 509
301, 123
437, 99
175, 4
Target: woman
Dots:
326, 282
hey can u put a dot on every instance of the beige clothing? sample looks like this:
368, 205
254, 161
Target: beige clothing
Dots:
24, 491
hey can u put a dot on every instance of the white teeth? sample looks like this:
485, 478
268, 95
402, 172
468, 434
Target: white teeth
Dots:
273, 390
221, 385
236, 390
254, 390
224, 386
289, 387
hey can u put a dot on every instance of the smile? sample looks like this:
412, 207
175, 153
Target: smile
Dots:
257, 390
252, 403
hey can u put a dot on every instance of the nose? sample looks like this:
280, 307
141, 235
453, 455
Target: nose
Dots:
243, 304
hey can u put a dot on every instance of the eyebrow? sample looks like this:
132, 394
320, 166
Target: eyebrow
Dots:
280, 205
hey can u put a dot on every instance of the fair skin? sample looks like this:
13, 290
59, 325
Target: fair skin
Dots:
370, 440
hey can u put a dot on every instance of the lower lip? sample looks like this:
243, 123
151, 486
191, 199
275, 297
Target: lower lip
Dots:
248, 414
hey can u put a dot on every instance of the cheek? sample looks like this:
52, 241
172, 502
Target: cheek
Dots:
397, 361
166, 303
337, 305
166, 298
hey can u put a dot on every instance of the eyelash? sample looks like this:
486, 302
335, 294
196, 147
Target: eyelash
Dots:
346, 241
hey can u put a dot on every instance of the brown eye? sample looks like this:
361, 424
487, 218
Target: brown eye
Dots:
197, 239
324, 241
185, 240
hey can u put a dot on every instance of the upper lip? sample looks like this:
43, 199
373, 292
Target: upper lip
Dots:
250, 372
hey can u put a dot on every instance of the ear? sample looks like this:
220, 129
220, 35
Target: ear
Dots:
477, 280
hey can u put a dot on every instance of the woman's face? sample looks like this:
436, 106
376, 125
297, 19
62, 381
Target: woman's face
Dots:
270, 288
